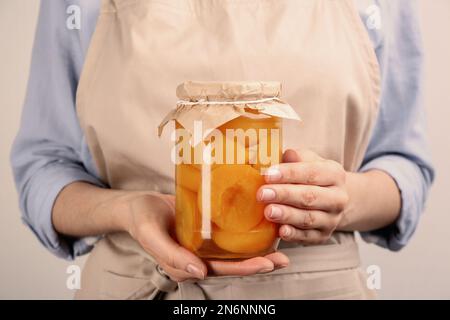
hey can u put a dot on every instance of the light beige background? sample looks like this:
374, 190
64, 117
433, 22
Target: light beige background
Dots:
421, 270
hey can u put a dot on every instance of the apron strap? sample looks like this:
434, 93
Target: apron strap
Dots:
161, 281
163, 284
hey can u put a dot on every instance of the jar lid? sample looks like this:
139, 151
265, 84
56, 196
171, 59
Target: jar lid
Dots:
231, 99
228, 90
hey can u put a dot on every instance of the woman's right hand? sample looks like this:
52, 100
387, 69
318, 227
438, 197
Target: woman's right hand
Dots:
150, 221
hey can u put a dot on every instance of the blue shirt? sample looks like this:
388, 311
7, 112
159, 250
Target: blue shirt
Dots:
50, 151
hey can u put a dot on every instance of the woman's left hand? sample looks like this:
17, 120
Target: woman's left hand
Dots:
306, 195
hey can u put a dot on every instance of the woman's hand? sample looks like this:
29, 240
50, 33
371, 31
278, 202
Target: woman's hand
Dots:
151, 220
307, 195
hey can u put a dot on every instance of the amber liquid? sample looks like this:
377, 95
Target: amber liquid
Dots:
217, 214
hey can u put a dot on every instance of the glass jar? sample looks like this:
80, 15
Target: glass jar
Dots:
219, 171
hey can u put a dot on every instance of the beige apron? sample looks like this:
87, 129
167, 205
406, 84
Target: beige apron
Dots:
142, 49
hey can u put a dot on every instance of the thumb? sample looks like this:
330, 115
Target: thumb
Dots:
152, 220
178, 262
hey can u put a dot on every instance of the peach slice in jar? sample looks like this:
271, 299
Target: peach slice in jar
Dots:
269, 150
233, 197
188, 176
257, 240
233, 153
262, 139
245, 123
187, 219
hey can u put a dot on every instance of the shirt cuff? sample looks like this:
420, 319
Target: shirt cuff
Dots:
410, 182
44, 187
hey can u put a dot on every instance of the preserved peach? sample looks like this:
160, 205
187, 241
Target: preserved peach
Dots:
244, 123
233, 197
260, 149
188, 176
269, 144
232, 153
188, 220
256, 240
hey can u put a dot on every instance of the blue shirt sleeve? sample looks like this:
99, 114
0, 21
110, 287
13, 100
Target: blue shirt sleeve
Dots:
398, 145
48, 152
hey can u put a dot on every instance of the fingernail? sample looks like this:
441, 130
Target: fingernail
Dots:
265, 270
195, 271
275, 213
286, 231
280, 266
273, 174
267, 195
